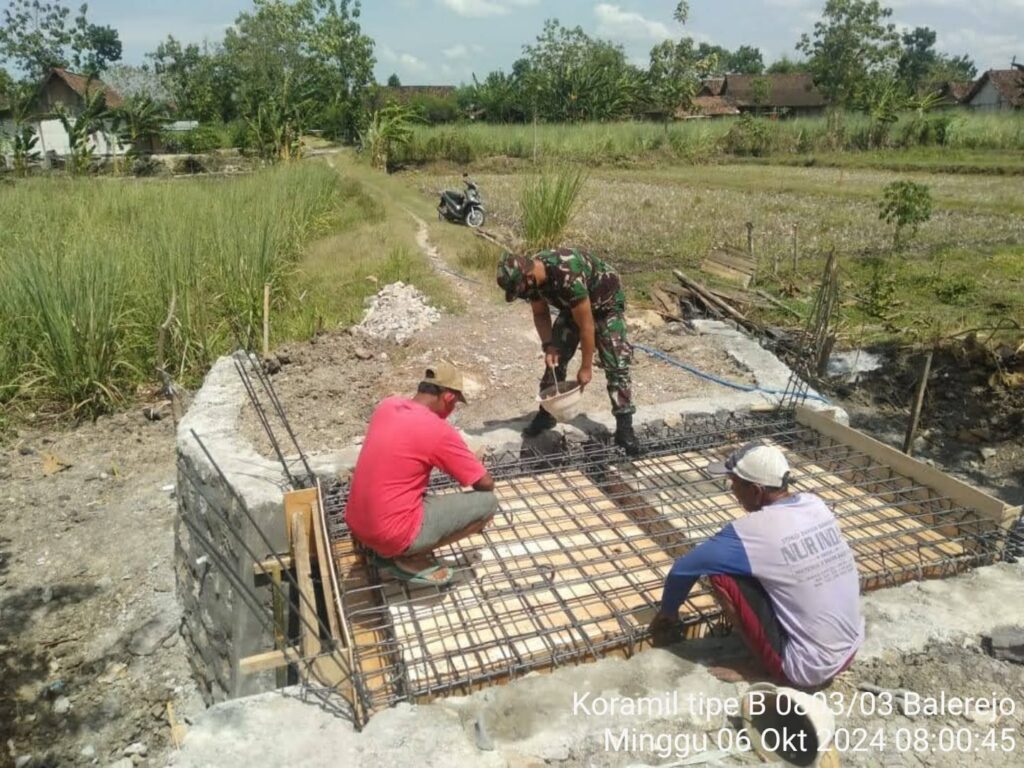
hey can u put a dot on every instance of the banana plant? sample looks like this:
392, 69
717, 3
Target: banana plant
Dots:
24, 143
24, 137
388, 128
137, 123
81, 127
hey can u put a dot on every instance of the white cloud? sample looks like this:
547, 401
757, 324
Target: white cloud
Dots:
990, 49
475, 8
618, 24
411, 63
456, 52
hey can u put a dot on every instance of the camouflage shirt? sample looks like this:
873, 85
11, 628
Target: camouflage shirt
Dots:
574, 275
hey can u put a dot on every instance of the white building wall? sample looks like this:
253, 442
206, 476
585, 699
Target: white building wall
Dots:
988, 98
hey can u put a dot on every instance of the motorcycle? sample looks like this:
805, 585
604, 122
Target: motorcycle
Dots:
461, 208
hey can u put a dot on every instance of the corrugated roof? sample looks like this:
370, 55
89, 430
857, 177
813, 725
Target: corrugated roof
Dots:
82, 85
796, 90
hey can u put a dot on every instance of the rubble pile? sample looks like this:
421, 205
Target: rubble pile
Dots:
397, 313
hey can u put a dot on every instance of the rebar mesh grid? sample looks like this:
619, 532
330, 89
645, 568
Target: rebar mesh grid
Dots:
573, 565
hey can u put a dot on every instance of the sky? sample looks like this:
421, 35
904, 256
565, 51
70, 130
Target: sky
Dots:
441, 42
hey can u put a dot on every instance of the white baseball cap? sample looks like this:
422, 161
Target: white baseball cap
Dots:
763, 465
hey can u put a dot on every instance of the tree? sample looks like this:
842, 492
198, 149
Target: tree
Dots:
959, 69
568, 76
93, 47
131, 81
394, 82
677, 68
787, 66
197, 80
851, 44
38, 36
6, 83
746, 60
304, 62
922, 67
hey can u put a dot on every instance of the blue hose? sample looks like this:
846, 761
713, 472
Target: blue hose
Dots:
709, 377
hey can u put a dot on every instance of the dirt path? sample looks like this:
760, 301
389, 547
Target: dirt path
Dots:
329, 387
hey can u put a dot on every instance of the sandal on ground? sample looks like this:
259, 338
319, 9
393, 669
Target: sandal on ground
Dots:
421, 577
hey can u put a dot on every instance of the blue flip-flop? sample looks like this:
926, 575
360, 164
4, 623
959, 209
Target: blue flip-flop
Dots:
420, 578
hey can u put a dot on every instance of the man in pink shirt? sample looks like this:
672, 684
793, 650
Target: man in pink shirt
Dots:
388, 508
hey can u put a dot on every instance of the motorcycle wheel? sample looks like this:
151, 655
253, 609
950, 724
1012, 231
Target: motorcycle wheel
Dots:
475, 218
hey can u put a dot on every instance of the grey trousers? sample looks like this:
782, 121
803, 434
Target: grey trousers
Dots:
450, 513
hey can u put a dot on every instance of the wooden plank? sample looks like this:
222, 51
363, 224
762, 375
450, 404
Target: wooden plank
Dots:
308, 625
726, 273
738, 263
271, 564
704, 294
295, 501
325, 563
262, 662
1000, 514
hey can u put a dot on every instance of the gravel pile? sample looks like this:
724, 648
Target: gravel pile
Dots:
396, 313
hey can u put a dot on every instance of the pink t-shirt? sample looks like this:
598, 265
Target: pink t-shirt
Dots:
404, 442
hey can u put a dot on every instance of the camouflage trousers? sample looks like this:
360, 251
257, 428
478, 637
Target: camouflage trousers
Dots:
614, 354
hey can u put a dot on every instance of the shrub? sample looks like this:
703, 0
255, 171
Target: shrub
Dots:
749, 136
958, 291
906, 205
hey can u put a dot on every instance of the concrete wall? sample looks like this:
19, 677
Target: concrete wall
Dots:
219, 626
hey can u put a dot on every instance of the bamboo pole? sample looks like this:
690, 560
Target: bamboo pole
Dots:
915, 414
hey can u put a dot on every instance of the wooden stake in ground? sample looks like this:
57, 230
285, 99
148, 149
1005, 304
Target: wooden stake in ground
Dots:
915, 414
750, 248
266, 319
796, 252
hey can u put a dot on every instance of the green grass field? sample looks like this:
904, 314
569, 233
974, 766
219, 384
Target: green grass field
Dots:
90, 268
936, 138
964, 269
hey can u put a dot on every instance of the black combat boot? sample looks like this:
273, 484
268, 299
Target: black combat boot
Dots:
625, 437
542, 422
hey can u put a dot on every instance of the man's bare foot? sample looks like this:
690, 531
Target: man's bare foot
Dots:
420, 563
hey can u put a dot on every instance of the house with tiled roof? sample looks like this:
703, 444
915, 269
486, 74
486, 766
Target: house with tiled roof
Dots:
791, 95
62, 89
997, 89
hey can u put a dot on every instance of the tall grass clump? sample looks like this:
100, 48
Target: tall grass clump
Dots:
91, 268
548, 202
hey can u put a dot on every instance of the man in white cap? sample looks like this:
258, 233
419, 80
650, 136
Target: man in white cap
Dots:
783, 575
388, 508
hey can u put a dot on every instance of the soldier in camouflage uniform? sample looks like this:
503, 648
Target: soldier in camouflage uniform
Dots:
591, 315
